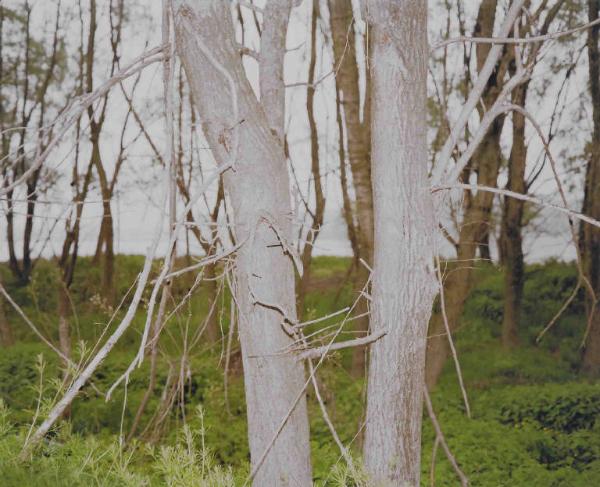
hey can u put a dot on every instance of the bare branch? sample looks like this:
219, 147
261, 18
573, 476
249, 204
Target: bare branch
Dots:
80, 104
519, 196
357, 342
513, 40
464, 481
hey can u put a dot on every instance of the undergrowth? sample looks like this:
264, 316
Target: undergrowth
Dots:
535, 420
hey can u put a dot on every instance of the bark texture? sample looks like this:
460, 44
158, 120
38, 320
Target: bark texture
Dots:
511, 243
403, 279
259, 192
358, 153
591, 203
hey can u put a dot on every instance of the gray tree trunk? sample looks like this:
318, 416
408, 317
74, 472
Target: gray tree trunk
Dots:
259, 192
403, 279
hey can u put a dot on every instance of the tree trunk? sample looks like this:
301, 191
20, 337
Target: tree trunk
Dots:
64, 332
591, 234
458, 283
404, 235
213, 331
105, 245
358, 135
476, 207
319, 212
512, 221
259, 192
6, 335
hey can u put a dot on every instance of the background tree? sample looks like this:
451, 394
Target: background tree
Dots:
355, 142
591, 200
31, 70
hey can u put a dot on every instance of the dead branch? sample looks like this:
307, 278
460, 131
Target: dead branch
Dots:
464, 481
513, 40
357, 342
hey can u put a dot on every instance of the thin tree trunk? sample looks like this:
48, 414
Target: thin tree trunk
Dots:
28, 230
6, 335
458, 282
13, 261
358, 135
105, 245
512, 221
403, 279
319, 212
238, 128
64, 332
591, 234
213, 331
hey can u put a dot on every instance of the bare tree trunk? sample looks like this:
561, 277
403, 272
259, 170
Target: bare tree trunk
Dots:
358, 153
512, 221
591, 234
458, 282
476, 208
238, 129
6, 335
404, 235
64, 332
213, 331
105, 245
319, 211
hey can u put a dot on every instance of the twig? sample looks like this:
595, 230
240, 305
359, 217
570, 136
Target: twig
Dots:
343, 450
464, 481
474, 96
560, 312
519, 196
450, 340
513, 40
72, 114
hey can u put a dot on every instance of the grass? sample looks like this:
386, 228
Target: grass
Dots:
534, 418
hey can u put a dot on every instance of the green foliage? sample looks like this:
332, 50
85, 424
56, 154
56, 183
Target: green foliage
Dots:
564, 407
71, 460
534, 422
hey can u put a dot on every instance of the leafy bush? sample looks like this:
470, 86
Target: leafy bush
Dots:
565, 407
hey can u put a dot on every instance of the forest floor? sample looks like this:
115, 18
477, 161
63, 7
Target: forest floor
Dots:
534, 417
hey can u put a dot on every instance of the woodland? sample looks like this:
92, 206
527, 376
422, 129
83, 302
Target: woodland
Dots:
299, 242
